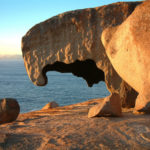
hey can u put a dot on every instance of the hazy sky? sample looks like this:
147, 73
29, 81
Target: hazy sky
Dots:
18, 16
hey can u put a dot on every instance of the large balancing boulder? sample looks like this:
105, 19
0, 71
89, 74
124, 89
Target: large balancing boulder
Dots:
128, 48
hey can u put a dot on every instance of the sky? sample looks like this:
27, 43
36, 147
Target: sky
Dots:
18, 16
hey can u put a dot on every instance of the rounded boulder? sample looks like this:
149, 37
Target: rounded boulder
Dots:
9, 110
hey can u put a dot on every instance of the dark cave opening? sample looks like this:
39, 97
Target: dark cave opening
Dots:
86, 69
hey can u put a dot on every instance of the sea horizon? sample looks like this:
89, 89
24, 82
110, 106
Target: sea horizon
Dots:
64, 88
11, 57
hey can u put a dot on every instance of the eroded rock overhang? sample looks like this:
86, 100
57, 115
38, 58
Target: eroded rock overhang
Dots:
72, 38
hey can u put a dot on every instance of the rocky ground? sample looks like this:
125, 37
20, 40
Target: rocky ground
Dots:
69, 128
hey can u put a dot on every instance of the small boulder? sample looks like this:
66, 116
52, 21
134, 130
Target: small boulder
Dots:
9, 110
50, 105
110, 106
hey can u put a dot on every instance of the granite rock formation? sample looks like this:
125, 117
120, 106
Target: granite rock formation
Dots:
128, 48
9, 110
70, 42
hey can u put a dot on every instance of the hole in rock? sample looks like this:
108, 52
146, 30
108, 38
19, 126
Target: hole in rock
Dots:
65, 88
86, 69
70, 90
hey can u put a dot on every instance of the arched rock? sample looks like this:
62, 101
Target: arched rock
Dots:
70, 40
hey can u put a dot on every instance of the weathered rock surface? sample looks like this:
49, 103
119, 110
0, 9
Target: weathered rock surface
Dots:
128, 48
110, 106
50, 105
9, 110
69, 128
70, 42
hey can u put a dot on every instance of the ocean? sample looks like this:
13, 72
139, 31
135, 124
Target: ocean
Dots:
64, 88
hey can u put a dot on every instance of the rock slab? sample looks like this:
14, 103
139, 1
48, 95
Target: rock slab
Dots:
68, 128
110, 106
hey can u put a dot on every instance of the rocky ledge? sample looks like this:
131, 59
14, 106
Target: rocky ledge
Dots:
69, 128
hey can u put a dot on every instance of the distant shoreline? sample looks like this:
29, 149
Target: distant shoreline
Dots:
11, 57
